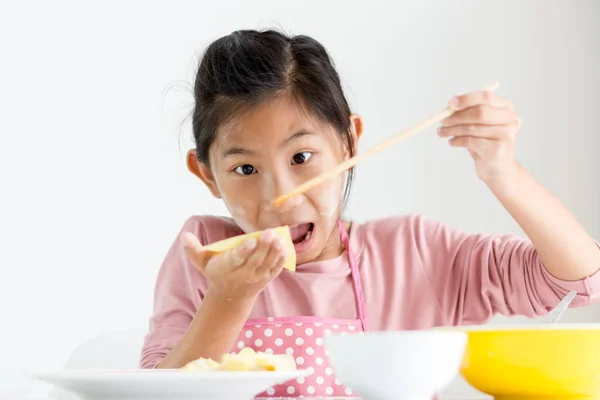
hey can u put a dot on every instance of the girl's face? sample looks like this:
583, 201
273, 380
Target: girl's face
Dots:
269, 151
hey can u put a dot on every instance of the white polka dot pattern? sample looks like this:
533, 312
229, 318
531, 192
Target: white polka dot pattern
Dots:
305, 341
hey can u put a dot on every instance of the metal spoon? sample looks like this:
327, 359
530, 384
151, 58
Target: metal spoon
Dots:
557, 312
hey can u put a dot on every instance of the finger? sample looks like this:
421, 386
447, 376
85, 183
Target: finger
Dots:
469, 100
276, 251
238, 256
483, 115
472, 143
460, 141
257, 257
194, 250
277, 268
495, 132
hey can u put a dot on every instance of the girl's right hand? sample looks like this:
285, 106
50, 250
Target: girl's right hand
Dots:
241, 273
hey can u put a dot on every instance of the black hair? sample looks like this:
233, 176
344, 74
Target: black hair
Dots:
247, 67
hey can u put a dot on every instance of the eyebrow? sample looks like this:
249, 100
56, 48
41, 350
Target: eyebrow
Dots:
233, 151
297, 135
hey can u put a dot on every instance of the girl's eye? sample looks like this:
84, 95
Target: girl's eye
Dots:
245, 169
301, 158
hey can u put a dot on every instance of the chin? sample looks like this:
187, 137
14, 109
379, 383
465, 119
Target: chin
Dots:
313, 244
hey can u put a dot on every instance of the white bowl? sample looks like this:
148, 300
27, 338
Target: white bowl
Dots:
413, 365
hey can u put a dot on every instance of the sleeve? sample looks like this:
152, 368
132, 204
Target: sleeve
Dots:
177, 296
476, 276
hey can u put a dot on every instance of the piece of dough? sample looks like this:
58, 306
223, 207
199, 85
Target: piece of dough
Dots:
249, 360
283, 232
246, 360
202, 364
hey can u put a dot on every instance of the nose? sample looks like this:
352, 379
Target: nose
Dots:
275, 184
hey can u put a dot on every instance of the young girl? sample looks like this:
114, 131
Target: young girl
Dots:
269, 115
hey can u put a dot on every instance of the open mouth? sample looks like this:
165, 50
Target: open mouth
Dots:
302, 232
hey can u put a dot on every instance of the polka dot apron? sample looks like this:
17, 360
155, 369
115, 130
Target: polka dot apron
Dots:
303, 337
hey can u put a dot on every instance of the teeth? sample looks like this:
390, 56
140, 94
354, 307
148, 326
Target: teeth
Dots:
308, 235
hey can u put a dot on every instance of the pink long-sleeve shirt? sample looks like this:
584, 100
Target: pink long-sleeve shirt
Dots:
416, 274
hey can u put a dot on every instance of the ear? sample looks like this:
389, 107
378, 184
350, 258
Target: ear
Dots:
203, 172
356, 129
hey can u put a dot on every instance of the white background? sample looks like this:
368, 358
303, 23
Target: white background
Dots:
93, 133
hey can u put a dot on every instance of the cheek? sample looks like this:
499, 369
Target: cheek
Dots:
241, 215
241, 206
328, 197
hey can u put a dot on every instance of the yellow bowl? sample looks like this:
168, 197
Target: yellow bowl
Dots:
550, 361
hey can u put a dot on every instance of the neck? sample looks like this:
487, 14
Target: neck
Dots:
334, 246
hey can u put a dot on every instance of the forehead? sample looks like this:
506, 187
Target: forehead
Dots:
270, 124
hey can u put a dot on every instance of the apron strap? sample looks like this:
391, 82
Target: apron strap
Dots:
356, 281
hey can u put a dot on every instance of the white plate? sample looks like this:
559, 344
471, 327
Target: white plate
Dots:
166, 384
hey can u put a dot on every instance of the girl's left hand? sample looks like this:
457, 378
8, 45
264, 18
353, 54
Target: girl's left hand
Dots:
486, 125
